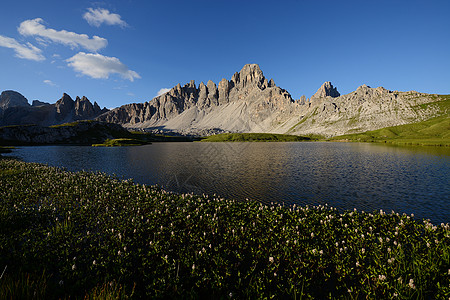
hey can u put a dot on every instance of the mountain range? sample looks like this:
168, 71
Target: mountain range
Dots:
15, 110
248, 102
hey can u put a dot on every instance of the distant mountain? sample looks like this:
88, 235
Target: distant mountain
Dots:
12, 99
15, 110
250, 103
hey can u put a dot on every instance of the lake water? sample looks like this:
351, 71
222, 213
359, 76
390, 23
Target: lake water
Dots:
367, 177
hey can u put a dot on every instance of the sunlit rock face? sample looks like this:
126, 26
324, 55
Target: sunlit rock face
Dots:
248, 102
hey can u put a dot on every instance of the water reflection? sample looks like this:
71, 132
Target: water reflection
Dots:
344, 175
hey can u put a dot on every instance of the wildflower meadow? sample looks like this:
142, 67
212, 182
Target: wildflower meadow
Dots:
89, 235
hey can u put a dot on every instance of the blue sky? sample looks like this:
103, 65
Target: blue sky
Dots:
118, 52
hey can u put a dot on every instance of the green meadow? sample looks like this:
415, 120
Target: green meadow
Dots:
121, 142
91, 236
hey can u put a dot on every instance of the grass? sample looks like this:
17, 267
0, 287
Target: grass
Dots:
254, 137
121, 142
87, 235
433, 132
72, 124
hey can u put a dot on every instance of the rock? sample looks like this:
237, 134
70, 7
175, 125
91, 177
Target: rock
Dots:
224, 91
326, 90
202, 94
45, 114
213, 93
65, 108
272, 83
12, 99
39, 103
302, 100
248, 102
250, 75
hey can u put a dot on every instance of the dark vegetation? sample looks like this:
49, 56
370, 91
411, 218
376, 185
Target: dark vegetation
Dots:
255, 137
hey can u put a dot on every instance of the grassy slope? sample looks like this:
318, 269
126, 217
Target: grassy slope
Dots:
433, 132
254, 137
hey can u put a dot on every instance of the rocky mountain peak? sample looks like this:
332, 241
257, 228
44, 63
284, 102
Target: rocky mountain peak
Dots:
250, 69
363, 89
64, 107
11, 99
272, 83
191, 84
65, 99
327, 89
43, 113
250, 75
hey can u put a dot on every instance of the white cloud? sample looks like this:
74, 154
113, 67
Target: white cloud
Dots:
162, 91
99, 66
49, 82
26, 51
36, 28
98, 16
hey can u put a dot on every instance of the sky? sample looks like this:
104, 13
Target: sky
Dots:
123, 51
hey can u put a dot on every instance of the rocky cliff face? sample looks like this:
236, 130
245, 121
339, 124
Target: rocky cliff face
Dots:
12, 99
365, 109
326, 90
15, 110
250, 103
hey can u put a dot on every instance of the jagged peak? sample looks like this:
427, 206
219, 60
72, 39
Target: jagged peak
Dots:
327, 89
191, 84
251, 70
250, 74
65, 98
272, 83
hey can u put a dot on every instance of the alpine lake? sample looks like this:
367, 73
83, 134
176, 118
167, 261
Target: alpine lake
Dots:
363, 176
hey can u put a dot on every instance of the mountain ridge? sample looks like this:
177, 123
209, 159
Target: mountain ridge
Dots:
248, 102
16, 110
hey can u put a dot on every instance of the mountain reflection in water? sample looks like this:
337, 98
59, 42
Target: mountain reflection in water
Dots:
367, 177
